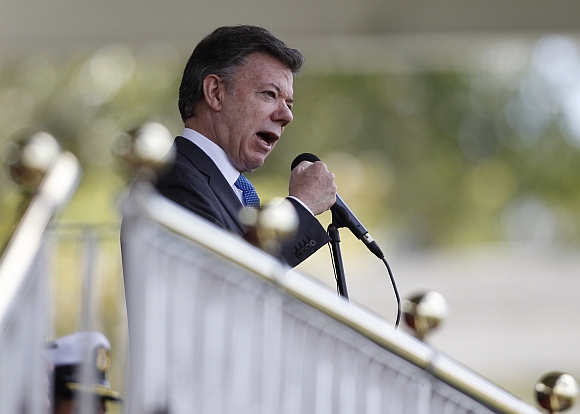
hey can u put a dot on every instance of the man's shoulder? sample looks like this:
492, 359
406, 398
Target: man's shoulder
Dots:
187, 165
196, 183
185, 147
190, 156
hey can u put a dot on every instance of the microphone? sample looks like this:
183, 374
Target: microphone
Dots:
342, 216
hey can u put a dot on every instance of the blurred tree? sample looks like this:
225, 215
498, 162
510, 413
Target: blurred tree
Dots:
428, 159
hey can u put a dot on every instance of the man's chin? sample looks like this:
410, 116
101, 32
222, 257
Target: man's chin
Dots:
253, 168
254, 164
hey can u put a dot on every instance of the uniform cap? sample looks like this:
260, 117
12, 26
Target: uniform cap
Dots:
68, 357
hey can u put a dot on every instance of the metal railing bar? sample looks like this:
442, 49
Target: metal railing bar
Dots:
53, 193
231, 247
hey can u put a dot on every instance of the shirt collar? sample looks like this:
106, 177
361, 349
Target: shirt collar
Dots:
215, 152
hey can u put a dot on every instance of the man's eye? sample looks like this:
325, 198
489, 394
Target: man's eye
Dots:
270, 94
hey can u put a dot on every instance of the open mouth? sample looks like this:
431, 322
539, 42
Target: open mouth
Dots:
267, 137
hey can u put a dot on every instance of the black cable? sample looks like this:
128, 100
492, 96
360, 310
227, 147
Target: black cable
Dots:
396, 291
392, 282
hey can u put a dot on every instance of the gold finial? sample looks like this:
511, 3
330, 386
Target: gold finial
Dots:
277, 221
425, 312
556, 392
148, 147
30, 157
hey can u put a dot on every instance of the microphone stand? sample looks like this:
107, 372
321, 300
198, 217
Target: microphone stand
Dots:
337, 260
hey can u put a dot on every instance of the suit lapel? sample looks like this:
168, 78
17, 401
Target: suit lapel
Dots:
217, 182
227, 197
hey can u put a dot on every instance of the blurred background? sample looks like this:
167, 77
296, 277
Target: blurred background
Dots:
453, 129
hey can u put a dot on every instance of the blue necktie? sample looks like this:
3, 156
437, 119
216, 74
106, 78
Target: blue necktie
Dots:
249, 196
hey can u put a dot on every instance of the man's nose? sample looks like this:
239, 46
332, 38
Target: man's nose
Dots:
283, 114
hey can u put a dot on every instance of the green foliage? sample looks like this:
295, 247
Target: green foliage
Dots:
437, 162
426, 159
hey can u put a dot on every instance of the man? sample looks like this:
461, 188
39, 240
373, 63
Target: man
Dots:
235, 100
72, 356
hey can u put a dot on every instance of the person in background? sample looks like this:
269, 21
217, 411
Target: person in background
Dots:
67, 357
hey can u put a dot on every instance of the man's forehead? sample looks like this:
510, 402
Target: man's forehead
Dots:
265, 70
260, 58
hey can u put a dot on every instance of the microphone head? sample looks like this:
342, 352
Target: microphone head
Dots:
303, 157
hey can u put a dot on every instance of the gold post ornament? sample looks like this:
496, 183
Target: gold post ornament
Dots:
30, 156
275, 222
424, 312
556, 392
145, 148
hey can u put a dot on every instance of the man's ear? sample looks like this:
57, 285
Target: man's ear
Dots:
213, 89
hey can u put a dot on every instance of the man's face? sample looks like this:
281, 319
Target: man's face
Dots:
253, 117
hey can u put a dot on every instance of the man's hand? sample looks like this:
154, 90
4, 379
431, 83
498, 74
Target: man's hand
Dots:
313, 184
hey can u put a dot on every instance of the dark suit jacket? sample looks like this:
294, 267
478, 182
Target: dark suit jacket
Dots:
195, 182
